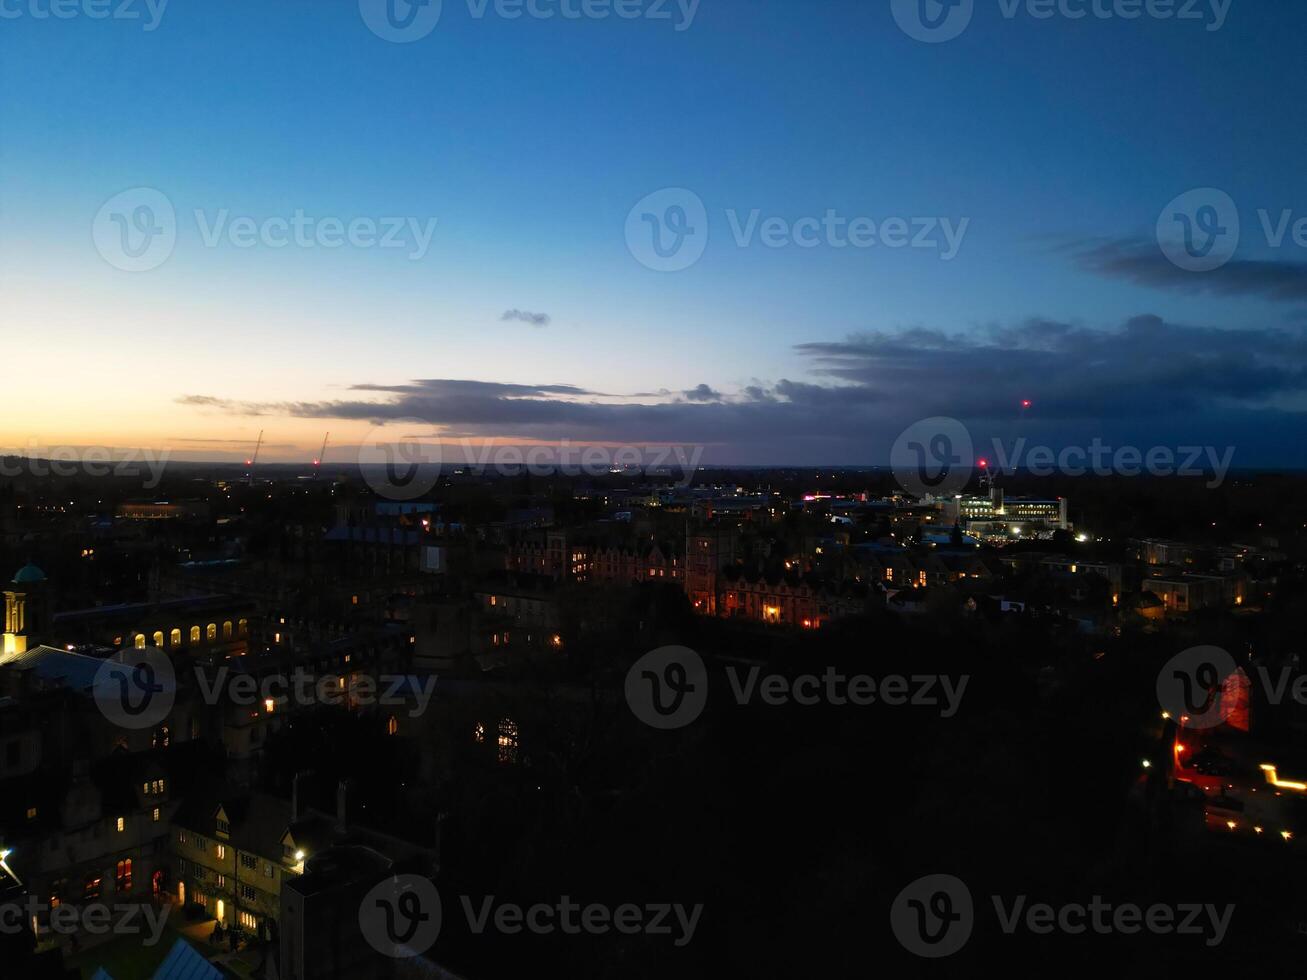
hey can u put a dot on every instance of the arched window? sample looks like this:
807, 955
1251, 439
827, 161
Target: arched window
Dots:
139, 641
175, 638
211, 632
226, 630
195, 634
392, 725
158, 638
244, 627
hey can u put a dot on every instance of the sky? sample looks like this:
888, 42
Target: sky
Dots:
857, 229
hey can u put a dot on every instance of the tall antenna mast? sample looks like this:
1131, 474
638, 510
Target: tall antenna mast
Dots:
255, 458
322, 454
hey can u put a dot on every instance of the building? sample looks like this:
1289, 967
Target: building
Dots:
993, 515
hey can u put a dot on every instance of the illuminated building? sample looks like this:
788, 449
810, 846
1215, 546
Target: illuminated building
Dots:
993, 515
24, 608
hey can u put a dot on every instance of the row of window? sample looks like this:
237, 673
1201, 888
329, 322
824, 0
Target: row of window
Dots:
248, 861
199, 872
210, 634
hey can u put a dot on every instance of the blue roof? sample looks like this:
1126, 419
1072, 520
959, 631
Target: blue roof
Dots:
29, 574
185, 962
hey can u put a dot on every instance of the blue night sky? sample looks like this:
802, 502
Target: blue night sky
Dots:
1058, 141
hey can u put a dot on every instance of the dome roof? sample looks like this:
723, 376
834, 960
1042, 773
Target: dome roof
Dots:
29, 574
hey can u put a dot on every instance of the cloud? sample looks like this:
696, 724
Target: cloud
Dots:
525, 316
702, 393
1143, 263
1147, 382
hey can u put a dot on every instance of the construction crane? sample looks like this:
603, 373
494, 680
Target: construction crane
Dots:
254, 459
322, 454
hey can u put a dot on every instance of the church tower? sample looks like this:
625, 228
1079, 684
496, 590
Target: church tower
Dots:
22, 602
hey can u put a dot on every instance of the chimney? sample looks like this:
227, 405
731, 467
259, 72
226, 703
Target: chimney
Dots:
342, 800
296, 796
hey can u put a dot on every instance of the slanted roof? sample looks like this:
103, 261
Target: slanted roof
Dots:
52, 664
185, 962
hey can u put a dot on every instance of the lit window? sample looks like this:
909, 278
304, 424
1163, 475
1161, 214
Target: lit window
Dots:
122, 824
392, 725
156, 814
140, 641
31, 813
221, 851
175, 638
195, 634
211, 632
226, 630
158, 638
508, 741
